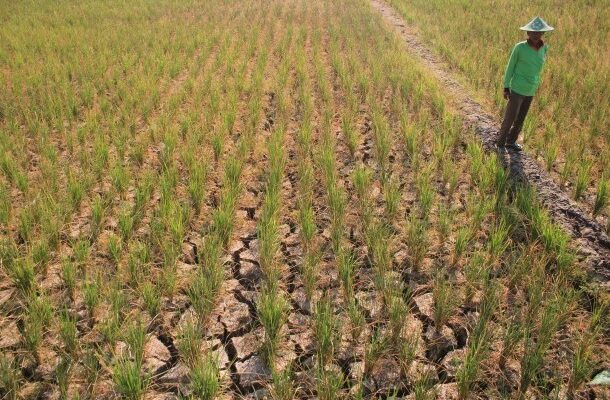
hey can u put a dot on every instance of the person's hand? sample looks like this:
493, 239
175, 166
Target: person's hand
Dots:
506, 93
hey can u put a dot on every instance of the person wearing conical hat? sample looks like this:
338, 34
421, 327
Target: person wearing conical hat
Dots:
521, 79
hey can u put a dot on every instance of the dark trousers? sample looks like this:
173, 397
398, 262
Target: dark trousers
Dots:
516, 110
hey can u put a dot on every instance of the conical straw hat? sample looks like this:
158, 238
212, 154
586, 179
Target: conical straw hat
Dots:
537, 25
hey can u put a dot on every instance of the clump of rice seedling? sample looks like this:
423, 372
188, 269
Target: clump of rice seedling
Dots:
5, 205
80, 251
513, 333
110, 328
347, 270
550, 155
127, 376
76, 188
137, 259
41, 254
356, 318
135, 337
32, 335
308, 225
203, 292
499, 239
582, 180
567, 170
268, 234
119, 177
583, 364
68, 331
451, 174
406, 351
51, 227
421, 389
92, 366
223, 222
151, 299
337, 202
282, 385
196, 184
115, 248
476, 272
13, 173
272, 311
539, 333
462, 239
22, 273
416, 240
62, 374
8, 253
445, 302
128, 380
601, 196
425, 192
189, 343
552, 237
479, 343
9, 378
326, 330
374, 349
397, 310
142, 194
310, 272
27, 219
410, 136
381, 135
205, 377
329, 383
445, 221
391, 192
68, 276
478, 208
361, 180
349, 131
92, 298
126, 223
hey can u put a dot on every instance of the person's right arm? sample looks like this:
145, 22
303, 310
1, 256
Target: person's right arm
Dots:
510, 69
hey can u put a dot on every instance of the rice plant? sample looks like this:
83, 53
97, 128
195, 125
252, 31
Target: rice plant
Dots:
272, 312
9, 377
203, 292
445, 302
583, 363
601, 196
68, 332
326, 331
128, 379
282, 385
329, 383
479, 344
205, 378
539, 335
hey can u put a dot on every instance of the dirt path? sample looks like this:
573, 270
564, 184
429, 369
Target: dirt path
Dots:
592, 241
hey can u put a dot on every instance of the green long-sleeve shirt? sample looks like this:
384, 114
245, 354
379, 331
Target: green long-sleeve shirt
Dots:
522, 73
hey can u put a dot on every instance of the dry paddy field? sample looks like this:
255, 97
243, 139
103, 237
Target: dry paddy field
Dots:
228, 199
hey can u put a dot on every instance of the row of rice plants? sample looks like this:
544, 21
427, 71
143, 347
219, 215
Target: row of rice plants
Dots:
206, 287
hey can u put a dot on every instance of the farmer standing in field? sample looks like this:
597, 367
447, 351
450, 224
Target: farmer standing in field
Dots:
521, 79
